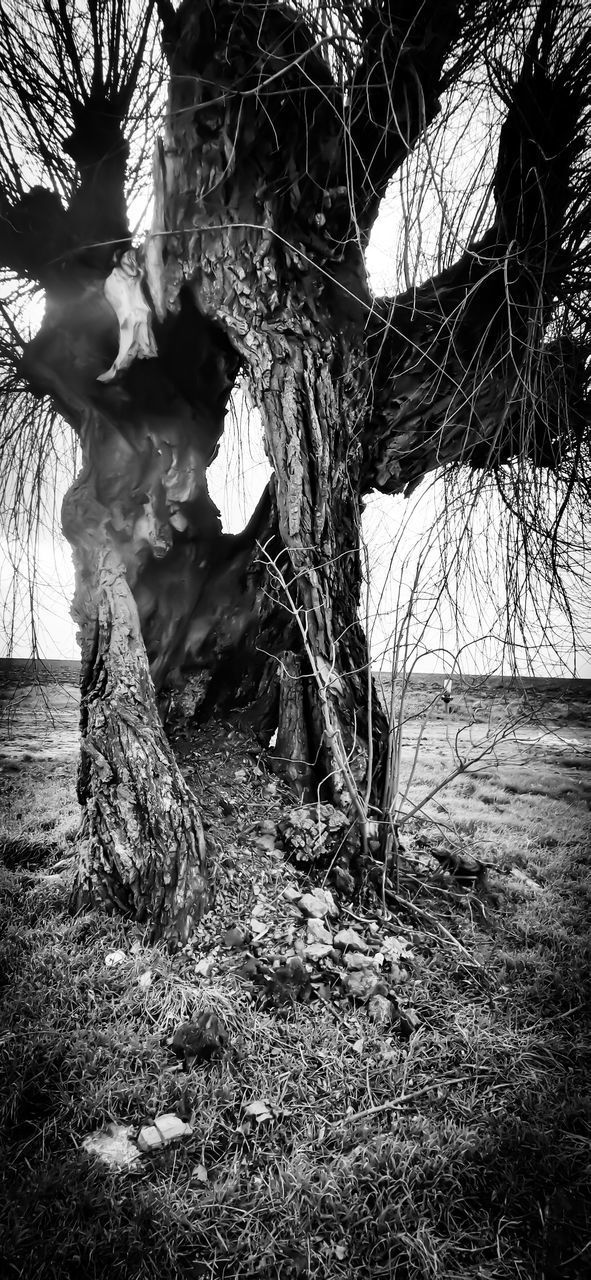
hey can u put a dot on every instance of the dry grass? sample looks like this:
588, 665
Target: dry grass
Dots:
472, 1156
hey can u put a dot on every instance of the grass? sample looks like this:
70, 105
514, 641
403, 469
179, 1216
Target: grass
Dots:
462, 1151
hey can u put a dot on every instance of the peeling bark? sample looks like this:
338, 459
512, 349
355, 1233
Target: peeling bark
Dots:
266, 184
144, 849
303, 354
140, 499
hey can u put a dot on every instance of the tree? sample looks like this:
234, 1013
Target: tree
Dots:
284, 127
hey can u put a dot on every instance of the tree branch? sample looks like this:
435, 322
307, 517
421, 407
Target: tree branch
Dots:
394, 93
487, 360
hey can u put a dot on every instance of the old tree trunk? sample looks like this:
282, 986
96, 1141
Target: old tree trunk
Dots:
266, 184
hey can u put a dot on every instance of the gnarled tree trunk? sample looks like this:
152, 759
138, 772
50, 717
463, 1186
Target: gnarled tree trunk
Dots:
267, 182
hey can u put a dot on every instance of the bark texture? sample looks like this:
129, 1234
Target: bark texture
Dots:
144, 850
279, 145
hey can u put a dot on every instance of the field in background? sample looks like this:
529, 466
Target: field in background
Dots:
472, 1158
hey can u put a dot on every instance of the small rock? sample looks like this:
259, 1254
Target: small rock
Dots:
317, 932
204, 967
113, 958
171, 1127
240, 775
291, 893
311, 904
268, 827
380, 1010
149, 1139
318, 950
346, 938
265, 842
145, 980
355, 960
360, 983
325, 895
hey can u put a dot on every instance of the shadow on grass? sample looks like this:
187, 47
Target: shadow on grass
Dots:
485, 1175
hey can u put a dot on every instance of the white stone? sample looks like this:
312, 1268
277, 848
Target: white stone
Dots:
318, 950
311, 904
355, 960
317, 932
325, 896
350, 938
171, 1127
149, 1139
291, 893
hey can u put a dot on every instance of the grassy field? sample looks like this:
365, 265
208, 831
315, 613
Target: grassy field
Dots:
452, 1142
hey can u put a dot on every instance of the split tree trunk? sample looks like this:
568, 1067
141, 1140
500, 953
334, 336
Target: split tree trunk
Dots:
266, 185
141, 496
246, 247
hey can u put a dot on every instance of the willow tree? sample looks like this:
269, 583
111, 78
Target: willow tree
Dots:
283, 128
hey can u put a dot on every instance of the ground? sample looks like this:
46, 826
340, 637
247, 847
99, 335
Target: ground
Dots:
451, 1141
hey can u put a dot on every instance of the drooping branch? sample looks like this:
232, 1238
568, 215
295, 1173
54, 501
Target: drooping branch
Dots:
69, 79
488, 361
394, 91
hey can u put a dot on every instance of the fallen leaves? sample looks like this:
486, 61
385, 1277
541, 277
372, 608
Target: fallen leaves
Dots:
255, 1114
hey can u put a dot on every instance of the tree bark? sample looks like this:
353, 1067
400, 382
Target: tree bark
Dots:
267, 182
254, 255
143, 848
141, 497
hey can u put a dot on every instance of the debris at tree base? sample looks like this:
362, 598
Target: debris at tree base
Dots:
350, 938
526, 880
320, 903
255, 1114
318, 950
360, 983
166, 1128
317, 932
359, 960
113, 1145
319, 832
199, 1041
233, 938
380, 1010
